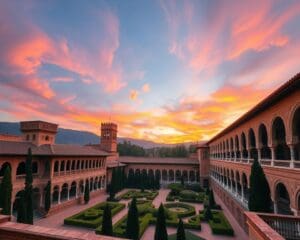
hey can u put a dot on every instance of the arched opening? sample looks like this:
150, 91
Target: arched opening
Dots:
56, 166
232, 181
245, 186
78, 165
252, 144
227, 149
73, 165
21, 168
35, 168
282, 200
185, 176
81, 187
86, 164
72, 192
296, 134
64, 192
231, 148
62, 166
3, 168
36, 198
178, 176
157, 174
103, 182
96, 183
282, 151
238, 183
263, 140
224, 151
244, 148
192, 176
99, 182
237, 147
171, 175
91, 184
16, 202
68, 165
55, 195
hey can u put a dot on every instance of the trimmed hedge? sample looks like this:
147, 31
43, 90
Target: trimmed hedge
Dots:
149, 195
219, 224
92, 217
190, 210
199, 198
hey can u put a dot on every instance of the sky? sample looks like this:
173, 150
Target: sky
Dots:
166, 71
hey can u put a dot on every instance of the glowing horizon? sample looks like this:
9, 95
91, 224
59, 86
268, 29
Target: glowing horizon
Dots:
165, 71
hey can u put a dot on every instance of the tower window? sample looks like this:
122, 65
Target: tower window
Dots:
27, 137
47, 138
33, 137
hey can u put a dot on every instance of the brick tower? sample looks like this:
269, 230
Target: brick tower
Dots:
38, 132
109, 137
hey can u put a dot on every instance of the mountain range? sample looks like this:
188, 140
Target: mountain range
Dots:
70, 136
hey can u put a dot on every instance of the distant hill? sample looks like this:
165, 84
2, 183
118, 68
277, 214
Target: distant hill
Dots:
69, 136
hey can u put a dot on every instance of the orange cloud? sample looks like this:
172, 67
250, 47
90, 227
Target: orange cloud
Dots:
146, 88
133, 95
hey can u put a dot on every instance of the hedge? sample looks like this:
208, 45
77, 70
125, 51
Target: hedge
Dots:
199, 198
190, 209
219, 224
149, 195
92, 217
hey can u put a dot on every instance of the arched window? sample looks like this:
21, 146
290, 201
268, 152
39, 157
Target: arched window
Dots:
68, 165
21, 168
296, 133
62, 166
56, 166
282, 151
263, 140
34, 167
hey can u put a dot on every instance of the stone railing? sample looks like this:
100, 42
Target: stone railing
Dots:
272, 226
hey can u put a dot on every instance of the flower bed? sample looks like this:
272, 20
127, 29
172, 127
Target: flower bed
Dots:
147, 194
219, 224
92, 217
188, 209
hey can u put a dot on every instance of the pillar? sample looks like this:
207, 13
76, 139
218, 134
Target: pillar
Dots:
292, 163
68, 198
235, 156
249, 155
236, 189
272, 155
58, 196
259, 154
242, 193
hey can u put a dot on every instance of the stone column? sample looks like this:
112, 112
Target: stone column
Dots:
272, 155
231, 186
236, 189
235, 156
58, 196
68, 198
249, 155
292, 163
242, 193
275, 208
259, 154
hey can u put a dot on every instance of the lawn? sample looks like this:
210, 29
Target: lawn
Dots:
92, 217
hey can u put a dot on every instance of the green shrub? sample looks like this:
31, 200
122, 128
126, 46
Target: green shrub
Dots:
176, 188
194, 187
88, 218
220, 225
190, 210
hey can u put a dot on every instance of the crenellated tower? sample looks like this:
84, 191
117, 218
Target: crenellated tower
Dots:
109, 137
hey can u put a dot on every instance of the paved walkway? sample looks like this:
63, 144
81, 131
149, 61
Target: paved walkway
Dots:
56, 220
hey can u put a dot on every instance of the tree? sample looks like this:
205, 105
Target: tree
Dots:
259, 192
180, 235
133, 227
211, 199
208, 214
48, 197
107, 228
86, 192
6, 189
160, 228
21, 208
28, 188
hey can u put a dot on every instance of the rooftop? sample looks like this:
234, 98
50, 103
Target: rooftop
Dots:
157, 160
21, 148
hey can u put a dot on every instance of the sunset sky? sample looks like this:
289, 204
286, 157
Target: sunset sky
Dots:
166, 71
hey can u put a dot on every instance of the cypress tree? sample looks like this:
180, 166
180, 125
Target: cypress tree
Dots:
21, 208
211, 199
133, 227
86, 192
160, 228
259, 192
208, 214
6, 189
48, 197
107, 228
28, 188
180, 235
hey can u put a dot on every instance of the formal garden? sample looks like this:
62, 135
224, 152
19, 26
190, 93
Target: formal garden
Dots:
93, 217
139, 194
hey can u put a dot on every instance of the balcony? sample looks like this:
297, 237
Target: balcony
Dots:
295, 164
272, 226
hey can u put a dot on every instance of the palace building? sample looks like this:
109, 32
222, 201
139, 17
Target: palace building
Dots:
270, 132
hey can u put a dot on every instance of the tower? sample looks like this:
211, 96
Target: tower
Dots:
38, 132
109, 137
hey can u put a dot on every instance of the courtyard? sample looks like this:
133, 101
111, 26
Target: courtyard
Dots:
57, 220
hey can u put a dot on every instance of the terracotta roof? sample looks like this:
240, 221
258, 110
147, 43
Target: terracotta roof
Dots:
284, 90
21, 148
150, 160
